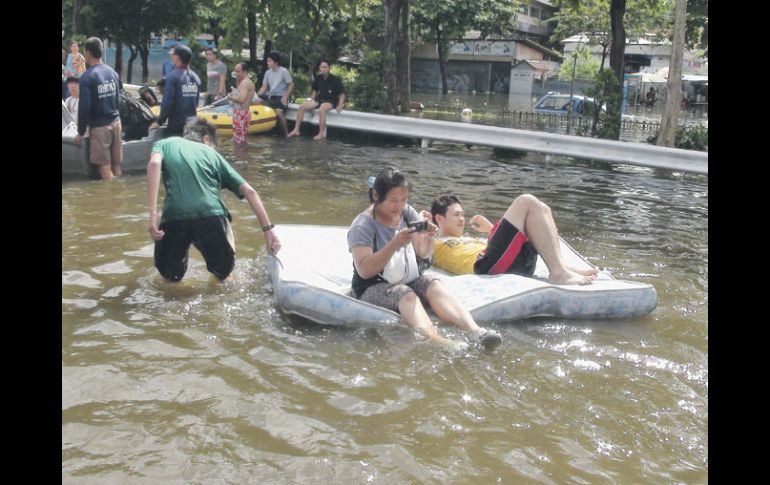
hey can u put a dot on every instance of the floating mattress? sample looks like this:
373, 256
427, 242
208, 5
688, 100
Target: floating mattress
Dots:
312, 274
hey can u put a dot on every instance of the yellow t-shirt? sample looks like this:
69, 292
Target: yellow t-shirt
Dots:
457, 254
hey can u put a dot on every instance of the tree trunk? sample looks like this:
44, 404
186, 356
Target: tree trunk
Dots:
144, 52
617, 52
252, 18
131, 58
76, 6
404, 53
119, 59
389, 53
442, 55
669, 122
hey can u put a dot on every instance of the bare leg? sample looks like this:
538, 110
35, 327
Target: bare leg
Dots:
322, 121
535, 220
105, 172
448, 309
300, 115
282, 121
297, 122
415, 317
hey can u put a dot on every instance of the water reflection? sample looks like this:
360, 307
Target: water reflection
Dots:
199, 382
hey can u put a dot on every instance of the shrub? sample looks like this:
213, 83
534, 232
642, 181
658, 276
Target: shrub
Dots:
688, 138
367, 91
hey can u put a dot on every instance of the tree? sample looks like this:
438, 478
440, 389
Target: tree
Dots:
445, 22
311, 29
392, 55
610, 23
668, 124
586, 66
698, 25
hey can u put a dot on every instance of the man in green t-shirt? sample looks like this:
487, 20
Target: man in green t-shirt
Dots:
193, 212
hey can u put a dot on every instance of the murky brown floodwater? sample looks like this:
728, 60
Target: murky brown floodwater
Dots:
206, 384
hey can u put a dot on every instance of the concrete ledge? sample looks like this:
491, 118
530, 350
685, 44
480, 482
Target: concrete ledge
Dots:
530, 141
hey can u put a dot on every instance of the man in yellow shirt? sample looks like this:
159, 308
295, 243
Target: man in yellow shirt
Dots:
526, 229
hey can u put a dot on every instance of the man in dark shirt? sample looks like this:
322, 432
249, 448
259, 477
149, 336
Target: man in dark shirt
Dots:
98, 109
328, 93
181, 94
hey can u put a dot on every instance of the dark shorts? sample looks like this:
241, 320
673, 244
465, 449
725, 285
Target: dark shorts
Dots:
332, 102
274, 102
209, 235
507, 251
388, 296
209, 99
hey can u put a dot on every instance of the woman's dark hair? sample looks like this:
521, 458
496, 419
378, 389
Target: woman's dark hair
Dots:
442, 203
389, 178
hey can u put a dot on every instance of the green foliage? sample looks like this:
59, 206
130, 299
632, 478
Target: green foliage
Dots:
643, 18
688, 138
301, 84
310, 29
606, 124
367, 91
133, 22
346, 74
697, 24
446, 21
587, 66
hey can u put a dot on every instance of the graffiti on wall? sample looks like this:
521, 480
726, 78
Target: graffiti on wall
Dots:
483, 48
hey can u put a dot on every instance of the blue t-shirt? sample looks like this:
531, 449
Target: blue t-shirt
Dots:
98, 106
180, 97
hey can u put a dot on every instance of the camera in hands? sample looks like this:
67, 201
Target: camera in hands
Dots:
418, 226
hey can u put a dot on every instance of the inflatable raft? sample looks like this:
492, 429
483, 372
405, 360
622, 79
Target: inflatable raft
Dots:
263, 118
220, 114
312, 273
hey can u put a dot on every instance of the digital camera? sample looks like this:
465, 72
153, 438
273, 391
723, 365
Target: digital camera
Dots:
418, 225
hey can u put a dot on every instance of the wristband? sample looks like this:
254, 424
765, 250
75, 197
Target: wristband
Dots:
268, 227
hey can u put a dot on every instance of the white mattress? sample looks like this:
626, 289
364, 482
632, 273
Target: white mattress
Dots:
312, 274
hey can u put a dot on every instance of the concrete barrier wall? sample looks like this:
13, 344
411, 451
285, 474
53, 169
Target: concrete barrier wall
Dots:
530, 141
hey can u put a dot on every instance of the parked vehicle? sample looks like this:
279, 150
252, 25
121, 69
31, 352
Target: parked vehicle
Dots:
560, 104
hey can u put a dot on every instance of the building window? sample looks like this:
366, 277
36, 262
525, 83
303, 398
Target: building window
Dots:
534, 12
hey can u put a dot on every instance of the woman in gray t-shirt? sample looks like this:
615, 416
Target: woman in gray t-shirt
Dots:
375, 236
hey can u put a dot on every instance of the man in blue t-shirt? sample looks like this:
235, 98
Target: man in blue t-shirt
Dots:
181, 93
98, 110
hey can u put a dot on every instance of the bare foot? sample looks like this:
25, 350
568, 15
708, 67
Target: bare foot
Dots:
569, 277
318, 137
584, 272
293, 133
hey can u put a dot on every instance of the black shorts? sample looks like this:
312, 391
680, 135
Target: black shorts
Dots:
507, 251
209, 235
274, 101
332, 102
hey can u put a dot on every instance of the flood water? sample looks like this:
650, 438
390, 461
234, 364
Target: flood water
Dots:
202, 383
503, 110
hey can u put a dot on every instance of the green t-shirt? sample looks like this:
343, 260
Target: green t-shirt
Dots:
193, 173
